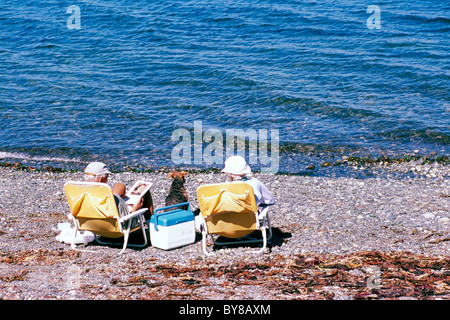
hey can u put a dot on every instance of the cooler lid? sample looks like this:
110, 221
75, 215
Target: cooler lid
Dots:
171, 218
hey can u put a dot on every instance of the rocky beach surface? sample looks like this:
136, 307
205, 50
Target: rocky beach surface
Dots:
386, 236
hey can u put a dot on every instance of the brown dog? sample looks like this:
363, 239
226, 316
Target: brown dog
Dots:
177, 193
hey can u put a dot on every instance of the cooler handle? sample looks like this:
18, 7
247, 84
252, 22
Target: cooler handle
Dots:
165, 208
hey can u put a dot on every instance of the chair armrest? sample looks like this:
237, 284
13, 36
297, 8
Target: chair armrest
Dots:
132, 215
264, 210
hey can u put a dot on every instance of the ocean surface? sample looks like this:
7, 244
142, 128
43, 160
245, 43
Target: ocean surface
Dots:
137, 83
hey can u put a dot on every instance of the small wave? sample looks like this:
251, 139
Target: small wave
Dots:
19, 155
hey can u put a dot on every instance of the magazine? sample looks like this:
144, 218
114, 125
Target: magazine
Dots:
136, 192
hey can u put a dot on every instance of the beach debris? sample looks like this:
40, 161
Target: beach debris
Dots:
39, 256
363, 275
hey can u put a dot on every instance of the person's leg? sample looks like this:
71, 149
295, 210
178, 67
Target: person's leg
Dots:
148, 203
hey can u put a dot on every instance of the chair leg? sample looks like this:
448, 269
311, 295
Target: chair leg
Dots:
204, 236
73, 245
270, 228
264, 235
128, 232
265, 225
125, 242
144, 233
126, 235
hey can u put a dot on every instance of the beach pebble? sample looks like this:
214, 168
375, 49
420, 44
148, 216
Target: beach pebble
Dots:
428, 215
444, 220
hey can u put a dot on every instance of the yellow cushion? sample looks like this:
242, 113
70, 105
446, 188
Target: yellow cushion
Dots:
228, 208
94, 206
226, 201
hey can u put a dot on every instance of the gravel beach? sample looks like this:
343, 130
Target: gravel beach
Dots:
383, 237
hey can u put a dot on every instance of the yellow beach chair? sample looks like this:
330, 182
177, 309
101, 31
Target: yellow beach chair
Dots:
229, 210
93, 208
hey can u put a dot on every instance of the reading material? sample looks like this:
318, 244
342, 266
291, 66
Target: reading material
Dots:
137, 191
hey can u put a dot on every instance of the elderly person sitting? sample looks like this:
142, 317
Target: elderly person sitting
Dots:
98, 172
237, 169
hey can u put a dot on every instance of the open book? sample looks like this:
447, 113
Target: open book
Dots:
136, 192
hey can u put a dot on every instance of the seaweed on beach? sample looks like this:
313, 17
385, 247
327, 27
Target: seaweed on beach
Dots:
365, 275
362, 275
391, 160
316, 276
39, 257
24, 167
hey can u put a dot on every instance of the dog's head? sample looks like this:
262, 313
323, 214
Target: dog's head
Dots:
177, 174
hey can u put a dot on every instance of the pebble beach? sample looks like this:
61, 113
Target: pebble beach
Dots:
341, 108
383, 237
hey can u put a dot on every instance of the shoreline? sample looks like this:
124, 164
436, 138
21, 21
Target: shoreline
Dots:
372, 166
357, 223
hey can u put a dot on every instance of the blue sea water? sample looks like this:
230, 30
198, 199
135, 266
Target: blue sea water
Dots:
317, 72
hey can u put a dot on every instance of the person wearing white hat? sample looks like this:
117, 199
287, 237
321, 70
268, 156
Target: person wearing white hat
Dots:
99, 172
96, 172
237, 169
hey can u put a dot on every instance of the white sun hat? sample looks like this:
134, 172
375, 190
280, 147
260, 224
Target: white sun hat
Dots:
96, 168
237, 165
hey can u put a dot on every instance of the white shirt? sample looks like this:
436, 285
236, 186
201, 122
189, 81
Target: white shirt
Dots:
262, 195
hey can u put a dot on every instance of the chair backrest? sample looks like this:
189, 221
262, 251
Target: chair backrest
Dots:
93, 205
229, 209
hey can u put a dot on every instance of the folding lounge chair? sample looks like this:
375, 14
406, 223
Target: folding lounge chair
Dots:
229, 210
93, 208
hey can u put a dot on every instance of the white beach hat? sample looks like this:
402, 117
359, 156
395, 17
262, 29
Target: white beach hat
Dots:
237, 165
96, 168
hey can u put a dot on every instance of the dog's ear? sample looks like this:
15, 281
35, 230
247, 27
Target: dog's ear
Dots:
170, 175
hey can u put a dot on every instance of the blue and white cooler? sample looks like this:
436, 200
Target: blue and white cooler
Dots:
172, 228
